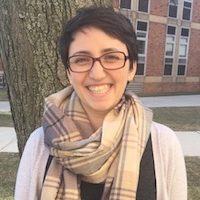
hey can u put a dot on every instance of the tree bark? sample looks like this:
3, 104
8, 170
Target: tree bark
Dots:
28, 48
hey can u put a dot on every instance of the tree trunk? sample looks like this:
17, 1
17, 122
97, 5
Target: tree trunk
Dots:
28, 48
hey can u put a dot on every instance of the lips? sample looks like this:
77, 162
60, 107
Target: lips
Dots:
100, 89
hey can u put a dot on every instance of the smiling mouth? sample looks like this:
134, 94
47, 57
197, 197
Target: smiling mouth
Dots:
100, 89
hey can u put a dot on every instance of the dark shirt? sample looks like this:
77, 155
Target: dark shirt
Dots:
147, 180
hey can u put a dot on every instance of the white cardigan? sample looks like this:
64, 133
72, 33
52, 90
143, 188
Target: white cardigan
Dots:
171, 183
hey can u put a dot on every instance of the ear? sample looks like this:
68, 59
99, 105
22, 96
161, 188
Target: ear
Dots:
132, 71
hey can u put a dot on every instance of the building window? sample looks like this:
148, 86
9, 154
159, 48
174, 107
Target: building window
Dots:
183, 47
173, 7
140, 69
143, 5
181, 70
169, 50
142, 26
183, 51
185, 32
170, 45
125, 4
168, 68
142, 43
187, 5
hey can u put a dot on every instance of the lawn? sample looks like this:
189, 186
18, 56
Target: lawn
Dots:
193, 176
8, 167
3, 95
179, 118
6, 120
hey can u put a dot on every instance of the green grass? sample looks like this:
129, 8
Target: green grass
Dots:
6, 120
193, 176
179, 118
8, 168
3, 95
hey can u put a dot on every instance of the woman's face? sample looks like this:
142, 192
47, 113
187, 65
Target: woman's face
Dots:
98, 89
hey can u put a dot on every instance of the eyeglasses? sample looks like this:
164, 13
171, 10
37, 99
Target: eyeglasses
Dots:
110, 61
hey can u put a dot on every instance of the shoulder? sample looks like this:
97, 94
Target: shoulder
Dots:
169, 163
164, 139
162, 132
35, 141
35, 145
37, 135
32, 166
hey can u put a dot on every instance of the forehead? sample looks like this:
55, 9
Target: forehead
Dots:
94, 39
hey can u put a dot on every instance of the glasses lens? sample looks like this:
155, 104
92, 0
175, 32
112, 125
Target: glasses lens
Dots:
113, 60
80, 63
83, 63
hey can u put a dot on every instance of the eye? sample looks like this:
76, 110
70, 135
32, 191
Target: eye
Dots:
80, 60
111, 57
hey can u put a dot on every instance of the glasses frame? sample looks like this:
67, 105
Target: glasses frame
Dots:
94, 59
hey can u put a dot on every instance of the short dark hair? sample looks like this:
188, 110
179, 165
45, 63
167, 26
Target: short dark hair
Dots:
112, 23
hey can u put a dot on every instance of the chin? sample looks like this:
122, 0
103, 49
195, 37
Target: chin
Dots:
104, 109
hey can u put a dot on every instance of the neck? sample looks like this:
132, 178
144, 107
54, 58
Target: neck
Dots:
95, 118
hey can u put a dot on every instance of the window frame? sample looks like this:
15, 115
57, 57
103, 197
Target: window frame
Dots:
173, 51
148, 6
142, 58
170, 4
130, 2
187, 50
184, 7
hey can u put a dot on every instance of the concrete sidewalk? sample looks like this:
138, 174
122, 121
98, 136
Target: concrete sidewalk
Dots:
8, 140
190, 141
158, 101
172, 101
4, 107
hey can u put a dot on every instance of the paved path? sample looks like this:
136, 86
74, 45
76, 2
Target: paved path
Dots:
172, 101
8, 141
4, 107
190, 142
158, 101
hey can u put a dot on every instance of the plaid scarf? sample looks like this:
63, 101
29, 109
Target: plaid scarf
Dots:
111, 154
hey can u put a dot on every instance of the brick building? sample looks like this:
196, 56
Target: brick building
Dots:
168, 33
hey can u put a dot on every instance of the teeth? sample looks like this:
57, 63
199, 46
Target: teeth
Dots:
99, 89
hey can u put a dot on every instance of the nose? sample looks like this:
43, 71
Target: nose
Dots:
97, 72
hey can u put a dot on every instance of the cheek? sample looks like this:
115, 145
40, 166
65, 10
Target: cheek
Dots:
124, 77
75, 80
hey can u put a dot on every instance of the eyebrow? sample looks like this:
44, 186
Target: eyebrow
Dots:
89, 53
109, 50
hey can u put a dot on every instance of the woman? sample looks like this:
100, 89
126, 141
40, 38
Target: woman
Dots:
97, 140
